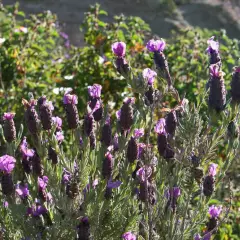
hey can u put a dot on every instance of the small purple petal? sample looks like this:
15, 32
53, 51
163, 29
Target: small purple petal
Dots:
138, 133
129, 236
142, 175
26, 152
214, 70
149, 75
7, 163
112, 185
63, 35
212, 45
59, 136
212, 170
95, 91
57, 121
70, 98
8, 116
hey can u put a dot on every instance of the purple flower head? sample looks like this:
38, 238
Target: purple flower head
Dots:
197, 236
70, 98
141, 148
66, 177
57, 121
112, 185
214, 70
7, 163
108, 155
129, 236
119, 49
174, 192
8, 116
60, 136
63, 35
129, 100
38, 210
5, 204
67, 44
160, 126
207, 236
118, 114
149, 75
156, 45
22, 190
26, 152
212, 170
138, 133
215, 211
213, 46
95, 91
144, 173
42, 182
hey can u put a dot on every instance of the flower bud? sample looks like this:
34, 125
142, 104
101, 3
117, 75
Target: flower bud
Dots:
45, 111
122, 66
36, 164
132, 150
52, 155
31, 116
88, 124
208, 185
235, 85
92, 139
149, 94
83, 229
71, 110
171, 122
7, 184
217, 94
107, 134
107, 166
126, 116
9, 128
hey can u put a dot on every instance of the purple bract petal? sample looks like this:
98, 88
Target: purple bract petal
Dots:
142, 175
212, 45
95, 91
129, 236
22, 191
26, 152
156, 45
119, 49
212, 170
149, 75
138, 133
214, 70
112, 185
57, 121
70, 98
118, 114
129, 100
215, 211
59, 136
7, 163
197, 236
160, 126
8, 116
42, 182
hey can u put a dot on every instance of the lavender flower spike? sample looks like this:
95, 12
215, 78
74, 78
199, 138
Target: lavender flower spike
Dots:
119, 49
215, 211
156, 45
129, 236
9, 128
149, 75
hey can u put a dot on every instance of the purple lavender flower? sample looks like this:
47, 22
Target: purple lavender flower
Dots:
213, 46
197, 236
207, 236
212, 170
66, 177
215, 211
214, 70
59, 136
129, 100
26, 152
63, 35
37, 210
156, 45
119, 49
160, 126
5, 204
7, 163
149, 75
129, 236
138, 133
22, 190
70, 98
95, 91
141, 149
113, 185
144, 173
174, 192
58, 122
8, 116
118, 114
42, 182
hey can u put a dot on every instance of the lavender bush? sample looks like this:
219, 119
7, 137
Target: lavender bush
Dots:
143, 172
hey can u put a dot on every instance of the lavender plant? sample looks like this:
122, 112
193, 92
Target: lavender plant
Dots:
134, 176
